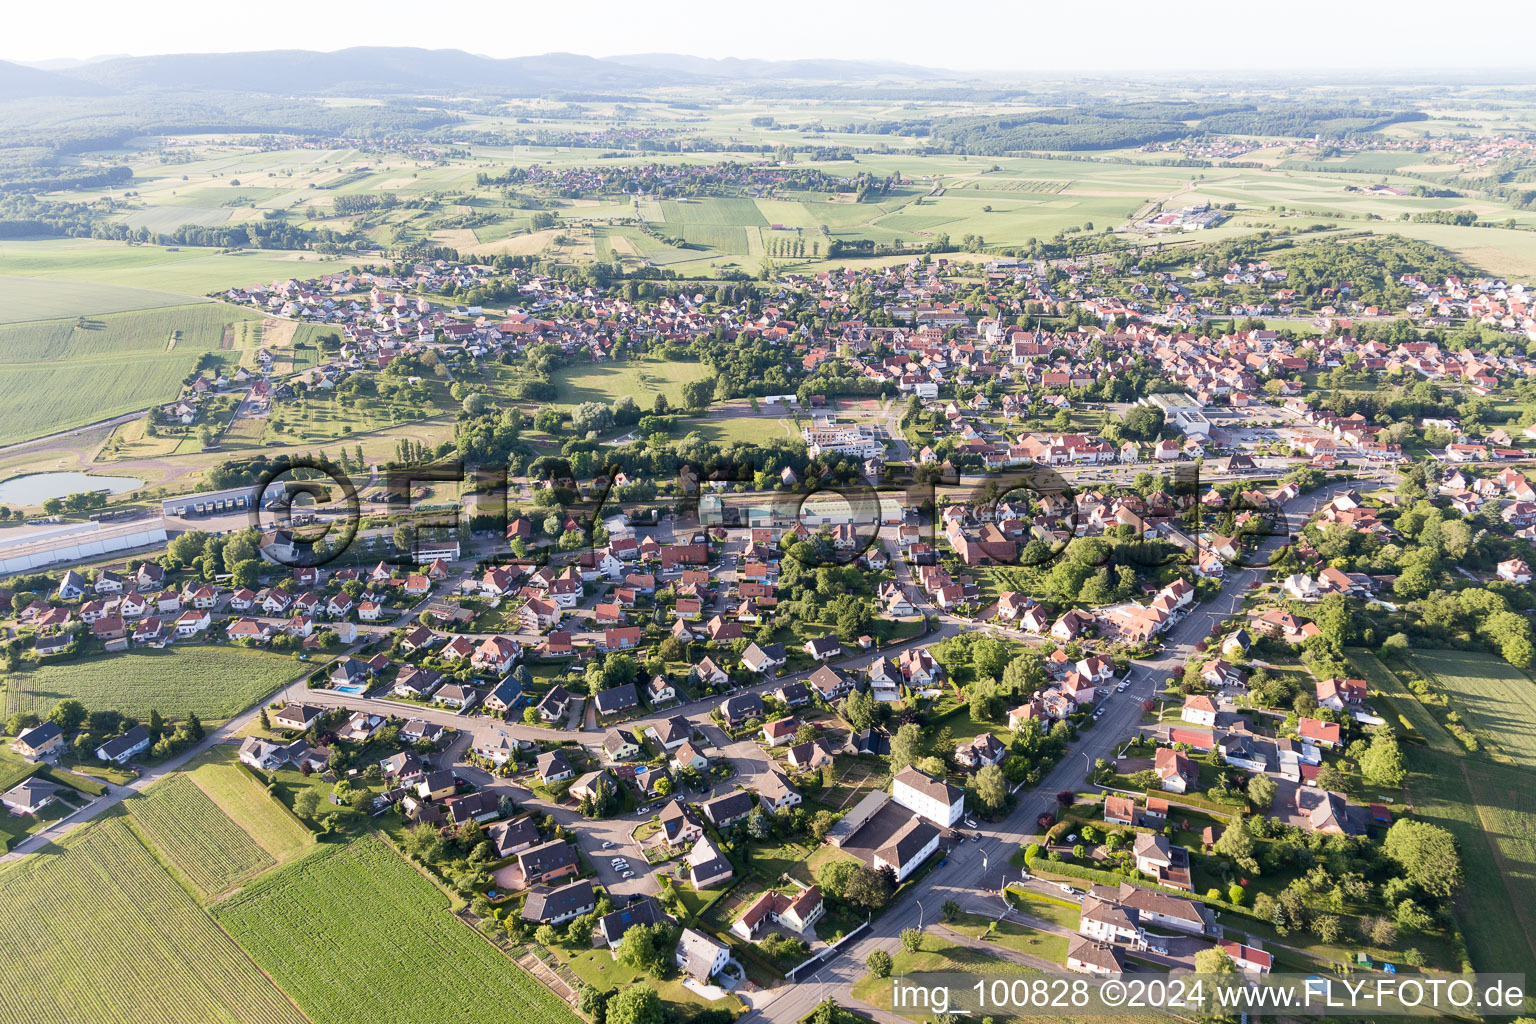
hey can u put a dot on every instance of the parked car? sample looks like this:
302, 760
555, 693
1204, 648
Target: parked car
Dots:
607, 844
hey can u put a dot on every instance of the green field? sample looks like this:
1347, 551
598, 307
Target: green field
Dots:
186, 270
199, 839
1492, 813
94, 929
37, 298
1497, 699
1413, 719
240, 796
643, 379
211, 682
346, 931
63, 373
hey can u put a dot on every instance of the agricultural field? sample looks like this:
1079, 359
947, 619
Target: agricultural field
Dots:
36, 298
189, 271
211, 682
643, 379
199, 839
123, 361
339, 930
247, 803
1497, 699
95, 929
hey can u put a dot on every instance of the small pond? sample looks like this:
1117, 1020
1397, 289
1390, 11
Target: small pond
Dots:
36, 488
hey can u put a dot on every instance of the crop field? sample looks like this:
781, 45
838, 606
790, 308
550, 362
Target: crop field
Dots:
212, 682
1497, 698
1490, 810
248, 804
340, 929
186, 270
37, 298
47, 365
96, 930
643, 379
189, 829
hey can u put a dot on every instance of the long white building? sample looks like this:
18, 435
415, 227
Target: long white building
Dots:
73, 542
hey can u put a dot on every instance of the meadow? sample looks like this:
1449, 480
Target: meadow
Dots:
344, 930
1498, 700
62, 373
1491, 812
196, 837
213, 683
95, 929
249, 805
1413, 719
642, 379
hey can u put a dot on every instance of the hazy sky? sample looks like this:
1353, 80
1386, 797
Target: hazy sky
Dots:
1014, 35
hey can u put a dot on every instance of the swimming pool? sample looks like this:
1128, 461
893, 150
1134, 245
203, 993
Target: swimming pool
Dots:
351, 689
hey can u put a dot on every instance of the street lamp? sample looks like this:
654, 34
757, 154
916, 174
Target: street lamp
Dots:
919, 915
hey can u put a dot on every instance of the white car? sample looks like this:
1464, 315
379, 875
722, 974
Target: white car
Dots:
607, 844
970, 822
628, 874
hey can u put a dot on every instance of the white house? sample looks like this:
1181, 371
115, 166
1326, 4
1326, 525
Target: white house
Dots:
934, 799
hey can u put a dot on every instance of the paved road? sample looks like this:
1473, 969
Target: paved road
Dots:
972, 866
984, 865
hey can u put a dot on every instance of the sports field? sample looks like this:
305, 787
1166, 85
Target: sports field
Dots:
66, 372
94, 929
1498, 700
211, 682
196, 837
642, 379
238, 795
339, 930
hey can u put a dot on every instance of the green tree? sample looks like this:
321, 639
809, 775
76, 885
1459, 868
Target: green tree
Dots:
906, 746
246, 573
1383, 763
645, 948
1427, 854
68, 714
638, 1004
879, 963
911, 940
1261, 793
991, 788
1236, 842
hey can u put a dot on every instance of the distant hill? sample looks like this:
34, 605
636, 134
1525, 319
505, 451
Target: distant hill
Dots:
17, 82
362, 70
401, 70
736, 68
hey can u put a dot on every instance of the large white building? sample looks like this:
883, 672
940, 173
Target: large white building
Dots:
857, 440
75, 542
931, 798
